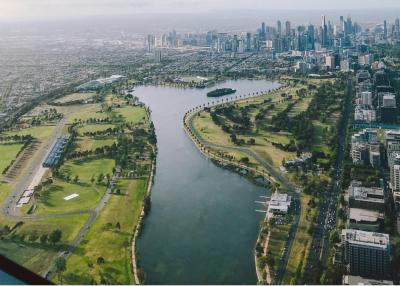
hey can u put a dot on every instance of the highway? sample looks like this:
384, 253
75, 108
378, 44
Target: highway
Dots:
326, 219
278, 277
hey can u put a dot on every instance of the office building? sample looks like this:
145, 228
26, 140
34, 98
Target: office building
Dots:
371, 198
366, 254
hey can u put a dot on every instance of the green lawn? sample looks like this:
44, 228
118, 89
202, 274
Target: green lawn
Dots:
52, 199
37, 256
319, 136
113, 245
277, 240
84, 112
5, 190
39, 132
132, 114
93, 128
85, 143
75, 97
8, 153
87, 168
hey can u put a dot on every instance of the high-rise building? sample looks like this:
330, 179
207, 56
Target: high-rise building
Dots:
324, 35
263, 33
279, 27
150, 43
158, 56
397, 28
288, 30
385, 30
248, 42
342, 24
366, 254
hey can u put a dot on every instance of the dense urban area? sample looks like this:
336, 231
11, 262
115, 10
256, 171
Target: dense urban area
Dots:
79, 148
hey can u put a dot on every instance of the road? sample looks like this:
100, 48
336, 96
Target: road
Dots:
9, 208
93, 215
34, 169
326, 219
278, 277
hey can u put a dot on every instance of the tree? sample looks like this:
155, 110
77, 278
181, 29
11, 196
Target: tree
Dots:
43, 238
61, 266
118, 225
334, 237
92, 179
100, 260
76, 179
55, 236
33, 236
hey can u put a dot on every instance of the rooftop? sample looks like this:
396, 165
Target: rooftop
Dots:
366, 238
362, 215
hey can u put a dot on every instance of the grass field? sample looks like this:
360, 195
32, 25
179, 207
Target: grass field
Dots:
39, 132
277, 240
132, 114
83, 112
75, 97
8, 153
302, 240
85, 143
5, 190
113, 245
35, 255
93, 128
52, 199
87, 168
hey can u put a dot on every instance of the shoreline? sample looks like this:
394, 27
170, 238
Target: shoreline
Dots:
223, 162
139, 224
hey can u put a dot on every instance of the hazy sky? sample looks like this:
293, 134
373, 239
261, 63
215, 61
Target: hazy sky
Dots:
42, 9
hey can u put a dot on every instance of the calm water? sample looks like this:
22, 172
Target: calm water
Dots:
202, 226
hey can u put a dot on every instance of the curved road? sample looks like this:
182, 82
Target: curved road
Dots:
278, 277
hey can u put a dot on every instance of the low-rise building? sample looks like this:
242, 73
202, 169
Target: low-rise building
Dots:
363, 219
371, 198
358, 280
279, 204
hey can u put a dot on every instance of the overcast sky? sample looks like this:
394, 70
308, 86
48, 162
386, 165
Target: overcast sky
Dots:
41, 9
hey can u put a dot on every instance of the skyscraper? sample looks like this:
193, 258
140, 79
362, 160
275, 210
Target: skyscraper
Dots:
342, 24
279, 27
248, 42
263, 30
288, 28
324, 35
385, 30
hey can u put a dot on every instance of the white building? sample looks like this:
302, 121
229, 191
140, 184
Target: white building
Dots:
279, 204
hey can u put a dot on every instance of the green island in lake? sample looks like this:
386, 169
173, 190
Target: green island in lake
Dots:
221, 92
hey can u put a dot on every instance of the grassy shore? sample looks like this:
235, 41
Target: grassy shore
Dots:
88, 177
265, 139
86, 264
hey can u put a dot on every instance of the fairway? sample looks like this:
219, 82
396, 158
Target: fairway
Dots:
132, 114
37, 256
87, 168
38, 132
52, 199
86, 143
75, 97
8, 153
113, 245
